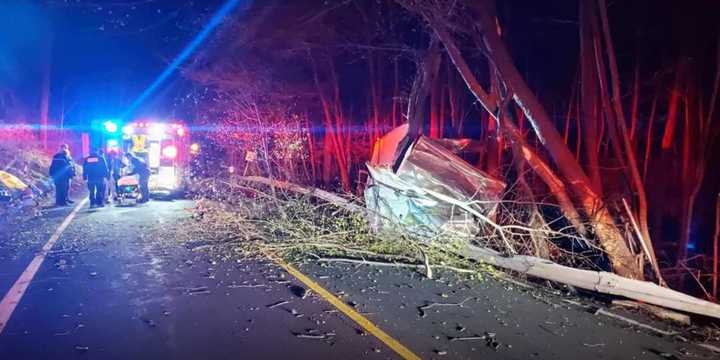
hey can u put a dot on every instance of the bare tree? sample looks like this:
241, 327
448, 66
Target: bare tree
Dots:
484, 30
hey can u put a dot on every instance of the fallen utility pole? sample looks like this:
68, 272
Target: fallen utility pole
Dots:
598, 281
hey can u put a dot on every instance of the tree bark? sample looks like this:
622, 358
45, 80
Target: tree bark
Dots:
589, 90
621, 258
634, 170
610, 237
333, 130
417, 104
542, 169
648, 136
669, 133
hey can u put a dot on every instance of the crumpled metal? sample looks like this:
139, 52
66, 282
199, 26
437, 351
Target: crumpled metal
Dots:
422, 195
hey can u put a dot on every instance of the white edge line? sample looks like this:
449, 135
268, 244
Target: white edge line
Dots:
16, 292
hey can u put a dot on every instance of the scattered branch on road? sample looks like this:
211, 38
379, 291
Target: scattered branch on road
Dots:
422, 309
241, 214
307, 224
395, 264
279, 303
427, 265
658, 312
635, 323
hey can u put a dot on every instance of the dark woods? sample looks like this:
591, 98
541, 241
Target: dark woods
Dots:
601, 114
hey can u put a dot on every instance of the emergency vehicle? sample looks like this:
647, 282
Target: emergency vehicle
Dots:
164, 146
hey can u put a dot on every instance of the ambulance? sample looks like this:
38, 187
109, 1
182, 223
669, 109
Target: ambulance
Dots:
165, 148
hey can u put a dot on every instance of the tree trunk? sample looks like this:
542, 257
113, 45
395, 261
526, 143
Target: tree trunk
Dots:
621, 258
333, 130
589, 91
417, 103
634, 170
648, 136
609, 235
542, 169
669, 133
374, 98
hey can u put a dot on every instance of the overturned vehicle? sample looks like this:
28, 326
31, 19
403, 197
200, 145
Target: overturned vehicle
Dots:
427, 189
423, 187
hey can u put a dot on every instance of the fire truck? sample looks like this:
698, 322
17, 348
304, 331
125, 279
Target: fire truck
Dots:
163, 145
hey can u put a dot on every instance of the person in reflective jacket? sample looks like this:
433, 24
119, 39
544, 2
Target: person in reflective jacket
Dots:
62, 169
95, 172
141, 169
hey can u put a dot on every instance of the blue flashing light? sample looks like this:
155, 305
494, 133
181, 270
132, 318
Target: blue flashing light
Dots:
112, 143
128, 130
216, 20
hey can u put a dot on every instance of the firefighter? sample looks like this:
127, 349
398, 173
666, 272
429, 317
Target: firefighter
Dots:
141, 169
95, 172
62, 170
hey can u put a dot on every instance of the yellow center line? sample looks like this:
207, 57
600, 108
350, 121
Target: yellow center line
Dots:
366, 324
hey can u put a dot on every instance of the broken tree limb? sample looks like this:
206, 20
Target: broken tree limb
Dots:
422, 309
658, 312
710, 347
599, 281
635, 322
426, 261
392, 264
647, 247
542, 169
334, 199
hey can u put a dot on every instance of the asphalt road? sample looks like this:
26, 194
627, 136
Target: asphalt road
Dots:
117, 285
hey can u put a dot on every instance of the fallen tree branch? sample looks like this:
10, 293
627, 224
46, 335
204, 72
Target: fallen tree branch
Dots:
635, 323
713, 348
421, 309
647, 248
334, 199
598, 281
336, 247
658, 312
426, 260
392, 264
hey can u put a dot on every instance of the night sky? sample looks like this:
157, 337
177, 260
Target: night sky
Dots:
103, 56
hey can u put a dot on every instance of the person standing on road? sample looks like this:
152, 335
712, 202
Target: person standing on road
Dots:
72, 166
141, 169
115, 166
95, 172
62, 169
106, 187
